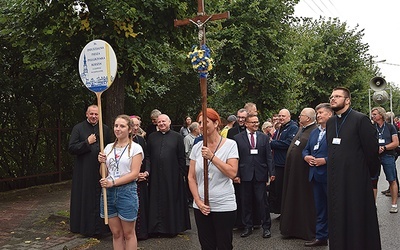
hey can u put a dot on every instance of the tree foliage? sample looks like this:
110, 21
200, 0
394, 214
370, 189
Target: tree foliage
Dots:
41, 44
250, 55
261, 54
327, 54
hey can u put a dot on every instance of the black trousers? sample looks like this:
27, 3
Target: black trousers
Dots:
215, 229
254, 201
276, 189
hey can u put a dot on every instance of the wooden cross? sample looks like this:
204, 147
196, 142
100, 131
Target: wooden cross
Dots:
200, 20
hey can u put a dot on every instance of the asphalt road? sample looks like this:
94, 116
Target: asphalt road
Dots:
389, 229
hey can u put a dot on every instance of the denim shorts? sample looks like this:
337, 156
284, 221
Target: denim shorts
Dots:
389, 166
122, 201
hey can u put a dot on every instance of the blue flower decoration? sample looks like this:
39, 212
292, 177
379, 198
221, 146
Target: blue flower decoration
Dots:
201, 61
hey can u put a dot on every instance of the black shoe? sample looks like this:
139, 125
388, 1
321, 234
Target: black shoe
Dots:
246, 232
316, 243
387, 191
266, 233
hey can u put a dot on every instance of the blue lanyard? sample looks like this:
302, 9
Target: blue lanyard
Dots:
380, 133
119, 158
344, 119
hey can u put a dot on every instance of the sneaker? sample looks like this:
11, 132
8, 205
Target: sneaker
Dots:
387, 191
393, 210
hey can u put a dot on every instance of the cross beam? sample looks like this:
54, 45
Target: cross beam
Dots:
200, 20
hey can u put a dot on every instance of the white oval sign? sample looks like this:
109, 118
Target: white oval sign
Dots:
97, 65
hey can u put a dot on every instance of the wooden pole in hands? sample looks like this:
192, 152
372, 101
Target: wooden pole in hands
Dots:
200, 20
98, 68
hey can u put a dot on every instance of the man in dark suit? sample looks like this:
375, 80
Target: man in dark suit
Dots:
316, 155
255, 166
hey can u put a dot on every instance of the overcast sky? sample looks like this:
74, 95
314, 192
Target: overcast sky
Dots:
379, 19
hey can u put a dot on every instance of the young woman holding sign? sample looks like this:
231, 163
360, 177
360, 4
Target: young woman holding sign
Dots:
123, 159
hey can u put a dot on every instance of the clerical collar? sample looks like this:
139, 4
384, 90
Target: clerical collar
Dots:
344, 113
164, 132
91, 123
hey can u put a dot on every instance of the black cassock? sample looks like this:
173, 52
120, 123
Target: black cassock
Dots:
352, 160
168, 208
298, 216
85, 192
143, 194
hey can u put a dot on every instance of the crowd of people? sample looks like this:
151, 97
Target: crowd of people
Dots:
319, 173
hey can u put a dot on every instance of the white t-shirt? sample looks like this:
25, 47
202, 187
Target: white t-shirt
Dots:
119, 160
220, 187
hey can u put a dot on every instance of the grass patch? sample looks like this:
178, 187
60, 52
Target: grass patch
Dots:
64, 213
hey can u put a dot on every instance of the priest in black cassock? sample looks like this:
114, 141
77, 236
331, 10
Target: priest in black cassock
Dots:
85, 192
352, 161
141, 226
298, 214
168, 208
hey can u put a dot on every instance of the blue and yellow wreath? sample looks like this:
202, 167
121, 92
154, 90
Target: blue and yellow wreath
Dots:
201, 60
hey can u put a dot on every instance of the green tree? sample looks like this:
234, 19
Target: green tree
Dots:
326, 54
250, 48
41, 44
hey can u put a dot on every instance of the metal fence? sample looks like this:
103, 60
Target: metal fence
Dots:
34, 156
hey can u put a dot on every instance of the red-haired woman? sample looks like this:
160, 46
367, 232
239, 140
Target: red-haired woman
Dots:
215, 221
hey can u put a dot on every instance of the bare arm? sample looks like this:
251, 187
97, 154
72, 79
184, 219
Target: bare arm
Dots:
194, 189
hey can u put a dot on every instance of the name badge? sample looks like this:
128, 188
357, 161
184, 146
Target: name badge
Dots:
316, 147
254, 151
381, 140
117, 175
336, 141
297, 143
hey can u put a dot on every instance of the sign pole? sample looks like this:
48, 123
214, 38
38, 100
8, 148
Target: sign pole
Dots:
98, 69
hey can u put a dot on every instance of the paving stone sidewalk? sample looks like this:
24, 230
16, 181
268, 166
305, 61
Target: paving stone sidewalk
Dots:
37, 218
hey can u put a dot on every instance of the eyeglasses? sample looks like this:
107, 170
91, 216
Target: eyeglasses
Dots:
254, 123
336, 97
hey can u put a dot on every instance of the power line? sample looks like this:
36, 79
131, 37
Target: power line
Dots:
326, 7
393, 64
334, 7
310, 7
318, 7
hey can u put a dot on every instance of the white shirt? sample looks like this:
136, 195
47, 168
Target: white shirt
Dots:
119, 160
220, 187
